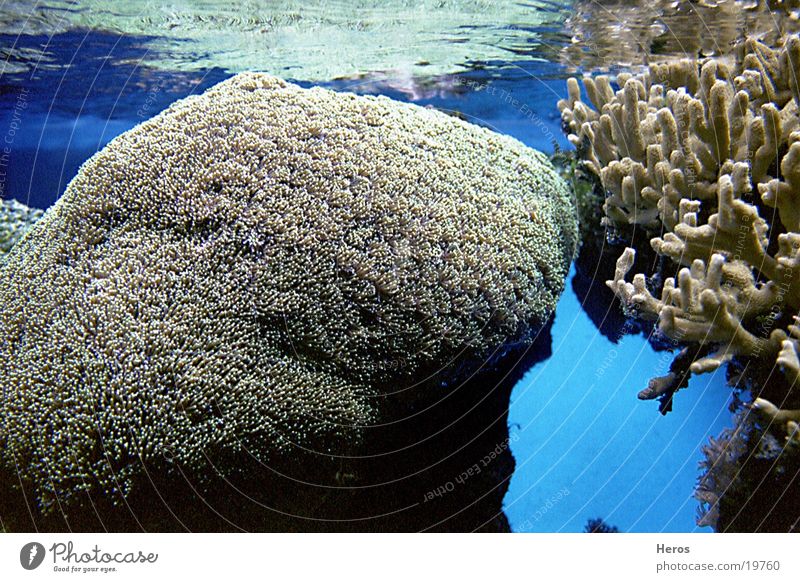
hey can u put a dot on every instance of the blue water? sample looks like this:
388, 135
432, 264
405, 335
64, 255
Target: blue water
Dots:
104, 88
585, 446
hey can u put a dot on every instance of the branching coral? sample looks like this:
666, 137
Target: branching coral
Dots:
244, 275
781, 420
668, 135
15, 220
703, 156
788, 358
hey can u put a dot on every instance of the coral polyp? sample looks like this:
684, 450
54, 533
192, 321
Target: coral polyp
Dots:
236, 277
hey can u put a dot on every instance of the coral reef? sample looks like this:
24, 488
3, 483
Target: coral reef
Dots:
695, 161
699, 162
749, 480
250, 277
15, 220
721, 467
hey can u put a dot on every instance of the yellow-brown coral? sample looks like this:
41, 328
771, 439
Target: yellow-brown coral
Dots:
697, 154
232, 276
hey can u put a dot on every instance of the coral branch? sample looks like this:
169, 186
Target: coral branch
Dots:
688, 164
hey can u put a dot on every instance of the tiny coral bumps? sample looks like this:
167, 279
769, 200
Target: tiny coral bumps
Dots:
15, 220
250, 273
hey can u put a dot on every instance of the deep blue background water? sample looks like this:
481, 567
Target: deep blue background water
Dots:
588, 448
584, 445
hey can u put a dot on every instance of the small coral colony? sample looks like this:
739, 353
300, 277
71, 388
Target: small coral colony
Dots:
698, 163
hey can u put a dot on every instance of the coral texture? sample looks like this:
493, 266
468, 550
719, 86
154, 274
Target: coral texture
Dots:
704, 160
749, 476
253, 270
15, 220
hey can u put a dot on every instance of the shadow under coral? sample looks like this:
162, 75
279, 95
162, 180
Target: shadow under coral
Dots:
414, 474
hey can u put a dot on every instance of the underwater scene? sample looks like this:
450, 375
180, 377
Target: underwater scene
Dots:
400, 266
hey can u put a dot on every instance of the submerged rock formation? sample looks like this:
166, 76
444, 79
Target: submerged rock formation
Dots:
254, 277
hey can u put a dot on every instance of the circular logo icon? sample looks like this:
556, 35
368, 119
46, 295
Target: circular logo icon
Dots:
31, 555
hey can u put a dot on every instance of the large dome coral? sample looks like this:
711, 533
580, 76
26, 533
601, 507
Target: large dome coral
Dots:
253, 271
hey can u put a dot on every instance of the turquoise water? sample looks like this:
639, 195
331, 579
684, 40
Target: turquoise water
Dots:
586, 447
